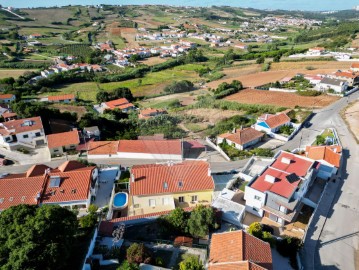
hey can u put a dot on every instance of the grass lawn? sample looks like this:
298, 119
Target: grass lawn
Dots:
161, 104
243, 185
152, 83
196, 127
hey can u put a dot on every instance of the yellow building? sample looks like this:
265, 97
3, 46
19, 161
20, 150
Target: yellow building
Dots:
162, 187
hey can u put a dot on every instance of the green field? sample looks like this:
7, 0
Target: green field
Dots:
152, 83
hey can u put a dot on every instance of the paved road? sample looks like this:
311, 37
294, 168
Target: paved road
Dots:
332, 238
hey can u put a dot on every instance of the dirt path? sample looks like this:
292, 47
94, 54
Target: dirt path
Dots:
351, 116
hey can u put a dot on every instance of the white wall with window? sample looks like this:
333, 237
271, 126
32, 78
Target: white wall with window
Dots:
254, 201
152, 204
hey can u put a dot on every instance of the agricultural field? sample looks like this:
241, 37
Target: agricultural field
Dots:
79, 50
211, 116
80, 110
351, 116
15, 73
291, 100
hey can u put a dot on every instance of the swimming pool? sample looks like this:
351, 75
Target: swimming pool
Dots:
120, 200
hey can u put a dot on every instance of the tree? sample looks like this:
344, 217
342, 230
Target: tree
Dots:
90, 220
33, 236
191, 262
179, 87
128, 266
102, 96
201, 220
255, 229
320, 140
276, 59
177, 219
260, 60
138, 253
289, 246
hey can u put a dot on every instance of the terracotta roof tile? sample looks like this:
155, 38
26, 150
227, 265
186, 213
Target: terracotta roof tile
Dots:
102, 147
6, 96
147, 113
165, 147
120, 103
347, 74
23, 125
244, 265
240, 247
61, 97
63, 139
166, 178
243, 136
355, 65
331, 154
298, 165
9, 114
277, 120
36, 170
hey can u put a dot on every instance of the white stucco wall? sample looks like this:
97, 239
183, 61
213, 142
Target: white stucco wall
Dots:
249, 195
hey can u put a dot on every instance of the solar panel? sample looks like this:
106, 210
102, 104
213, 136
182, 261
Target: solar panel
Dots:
55, 181
292, 178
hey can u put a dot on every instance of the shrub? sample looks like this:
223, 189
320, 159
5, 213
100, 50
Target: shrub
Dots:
267, 237
191, 262
289, 246
320, 140
138, 253
179, 87
310, 93
255, 229
310, 68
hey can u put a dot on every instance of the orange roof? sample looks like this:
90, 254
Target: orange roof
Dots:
25, 188
103, 147
317, 49
347, 74
23, 125
61, 97
9, 114
243, 136
277, 120
63, 139
240, 247
355, 65
170, 178
165, 147
120, 103
146, 113
331, 154
6, 96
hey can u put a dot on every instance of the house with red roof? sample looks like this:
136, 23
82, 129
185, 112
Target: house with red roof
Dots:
7, 98
355, 67
157, 150
349, 76
148, 113
122, 104
27, 132
59, 142
242, 252
162, 187
70, 185
271, 123
62, 98
278, 191
241, 138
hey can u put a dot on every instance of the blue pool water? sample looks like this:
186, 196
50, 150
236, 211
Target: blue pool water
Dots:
120, 200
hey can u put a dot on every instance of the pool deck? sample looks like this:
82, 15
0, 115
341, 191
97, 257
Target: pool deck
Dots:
106, 180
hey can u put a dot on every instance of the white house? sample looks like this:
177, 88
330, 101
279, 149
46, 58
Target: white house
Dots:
271, 123
27, 132
327, 83
241, 138
7, 98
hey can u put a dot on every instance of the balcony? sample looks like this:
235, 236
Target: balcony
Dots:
289, 217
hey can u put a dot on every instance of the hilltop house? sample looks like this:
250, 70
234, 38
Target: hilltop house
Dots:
271, 123
62, 98
316, 51
278, 192
349, 76
60, 142
7, 98
122, 104
327, 83
355, 67
242, 251
27, 132
160, 187
241, 138
136, 149
70, 185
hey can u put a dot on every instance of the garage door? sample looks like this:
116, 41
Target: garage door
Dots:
40, 142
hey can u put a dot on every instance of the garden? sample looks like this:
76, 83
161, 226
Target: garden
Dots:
235, 154
327, 137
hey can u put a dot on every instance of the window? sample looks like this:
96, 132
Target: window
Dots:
257, 198
25, 136
165, 201
194, 198
255, 209
152, 202
37, 134
181, 199
7, 139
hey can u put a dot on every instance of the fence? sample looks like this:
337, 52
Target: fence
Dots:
90, 249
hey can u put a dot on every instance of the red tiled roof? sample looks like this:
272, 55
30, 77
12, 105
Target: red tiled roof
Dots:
240, 247
297, 165
281, 186
63, 139
15, 191
317, 49
164, 147
36, 170
331, 154
147, 113
243, 136
355, 65
165, 178
347, 74
61, 97
19, 127
9, 114
6, 96
277, 120
102, 147
118, 103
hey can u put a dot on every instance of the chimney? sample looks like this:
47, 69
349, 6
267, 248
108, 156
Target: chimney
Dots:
209, 171
266, 116
286, 160
234, 130
132, 178
269, 178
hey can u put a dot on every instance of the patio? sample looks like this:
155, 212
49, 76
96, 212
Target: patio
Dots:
106, 180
